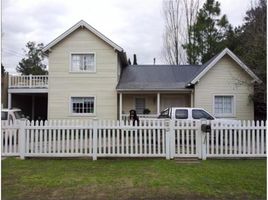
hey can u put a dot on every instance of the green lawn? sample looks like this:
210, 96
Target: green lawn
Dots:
132, 179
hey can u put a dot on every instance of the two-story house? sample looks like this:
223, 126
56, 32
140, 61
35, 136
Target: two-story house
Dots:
84, 69
89, 78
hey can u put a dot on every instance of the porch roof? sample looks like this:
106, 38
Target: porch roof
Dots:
157, 77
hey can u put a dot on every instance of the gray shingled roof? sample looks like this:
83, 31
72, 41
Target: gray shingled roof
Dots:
167, 77
202, 67
157, 77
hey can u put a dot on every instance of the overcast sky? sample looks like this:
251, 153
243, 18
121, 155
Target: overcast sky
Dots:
135, 25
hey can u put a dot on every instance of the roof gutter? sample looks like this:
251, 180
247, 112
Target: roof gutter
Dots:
154, 90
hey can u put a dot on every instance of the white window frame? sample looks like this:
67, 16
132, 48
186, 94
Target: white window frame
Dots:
82, 71
82, 114
231, 115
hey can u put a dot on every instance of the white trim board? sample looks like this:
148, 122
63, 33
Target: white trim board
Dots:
154, 90
28, 90
234, 57
82, 23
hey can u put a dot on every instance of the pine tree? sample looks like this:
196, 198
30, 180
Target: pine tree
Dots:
251, 40
32, 64
207, 34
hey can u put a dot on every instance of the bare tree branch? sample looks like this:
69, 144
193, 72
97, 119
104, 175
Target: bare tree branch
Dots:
179, 15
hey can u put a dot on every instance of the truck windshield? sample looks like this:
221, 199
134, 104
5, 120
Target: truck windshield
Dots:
164, 114
18, 114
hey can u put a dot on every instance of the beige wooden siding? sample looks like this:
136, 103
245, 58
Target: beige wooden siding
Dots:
64, 84
226, 78
175, 100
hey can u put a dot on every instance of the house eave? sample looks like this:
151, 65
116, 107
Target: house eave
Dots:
235, 58
81, 24
154, 90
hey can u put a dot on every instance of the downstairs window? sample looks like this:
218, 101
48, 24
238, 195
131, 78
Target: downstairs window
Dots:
83, 105
224, 105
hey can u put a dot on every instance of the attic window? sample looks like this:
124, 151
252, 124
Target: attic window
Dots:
83, 62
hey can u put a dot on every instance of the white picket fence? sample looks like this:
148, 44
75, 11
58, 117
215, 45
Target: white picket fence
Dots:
247, 139
186, 139
10, 138
152, 138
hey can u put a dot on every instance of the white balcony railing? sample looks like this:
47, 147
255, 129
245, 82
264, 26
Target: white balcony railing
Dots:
28, 81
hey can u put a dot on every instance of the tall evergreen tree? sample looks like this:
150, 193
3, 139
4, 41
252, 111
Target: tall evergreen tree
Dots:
32, 64
208, 33
250, 40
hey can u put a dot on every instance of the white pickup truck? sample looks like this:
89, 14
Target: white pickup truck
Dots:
185, 113
12, 114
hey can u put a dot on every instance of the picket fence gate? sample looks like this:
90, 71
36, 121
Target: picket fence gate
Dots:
151, 138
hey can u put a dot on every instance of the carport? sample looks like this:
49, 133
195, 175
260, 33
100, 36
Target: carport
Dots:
33, 105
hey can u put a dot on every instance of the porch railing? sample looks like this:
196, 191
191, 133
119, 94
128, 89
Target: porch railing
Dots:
141, 116
28, 81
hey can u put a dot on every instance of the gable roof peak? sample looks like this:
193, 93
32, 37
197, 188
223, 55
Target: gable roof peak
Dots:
79, 24
82, 22
211, 63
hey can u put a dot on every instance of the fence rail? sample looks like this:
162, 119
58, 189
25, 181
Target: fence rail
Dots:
28, 81
151, 138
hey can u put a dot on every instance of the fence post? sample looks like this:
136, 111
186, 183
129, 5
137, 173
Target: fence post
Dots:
172, 138
167, 127
198, 139
203, 142
22, 126
95, 138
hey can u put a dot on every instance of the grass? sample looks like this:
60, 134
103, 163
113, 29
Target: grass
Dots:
132, 179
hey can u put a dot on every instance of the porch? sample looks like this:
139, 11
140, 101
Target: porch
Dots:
150, 104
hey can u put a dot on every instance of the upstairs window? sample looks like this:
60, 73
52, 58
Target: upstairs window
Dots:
83, 62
